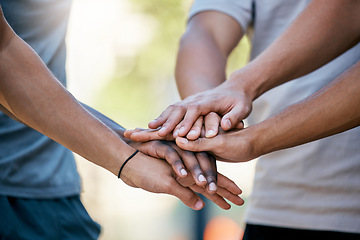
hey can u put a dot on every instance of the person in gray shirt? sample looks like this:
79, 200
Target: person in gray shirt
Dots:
40, 122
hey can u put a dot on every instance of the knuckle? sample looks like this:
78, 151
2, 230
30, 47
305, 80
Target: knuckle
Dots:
177, 162
187, 154
177, 107
194, 107
202, 155
168, 151
196, 169
211, 174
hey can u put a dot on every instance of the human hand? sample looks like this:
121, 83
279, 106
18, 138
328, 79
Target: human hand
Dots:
232, 146
145, 135
202, 166
207, 126
155, 175
227, 189
228, 100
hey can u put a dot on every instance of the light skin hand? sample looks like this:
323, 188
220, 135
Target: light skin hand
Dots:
298, 124
144, 135
233, 146
227, 100
200, 66
211, 126
261, 74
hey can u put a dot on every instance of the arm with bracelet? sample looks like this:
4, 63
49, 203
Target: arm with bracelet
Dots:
31, 94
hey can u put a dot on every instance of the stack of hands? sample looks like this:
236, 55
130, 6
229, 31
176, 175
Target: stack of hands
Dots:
191, 143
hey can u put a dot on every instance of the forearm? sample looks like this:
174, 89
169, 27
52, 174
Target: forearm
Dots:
332, 110
200, 66
323, 31
32, 94
114, 126
203, 52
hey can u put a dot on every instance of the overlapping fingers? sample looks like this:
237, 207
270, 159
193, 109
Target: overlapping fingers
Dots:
208, 165
162, 150
185, 194
211, 124
168, 119
144, 135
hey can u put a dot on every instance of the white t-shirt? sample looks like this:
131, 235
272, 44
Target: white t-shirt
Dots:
313, 186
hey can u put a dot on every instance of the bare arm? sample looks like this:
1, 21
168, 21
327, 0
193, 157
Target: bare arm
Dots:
31, 94
203, 52
323, 31
300, 123
201, 62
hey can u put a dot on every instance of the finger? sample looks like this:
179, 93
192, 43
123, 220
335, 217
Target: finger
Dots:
230, 196
217, 199
234, 117
161, 119
198, 145
186, 181
149, 135
172, 120
212, 123
208, 165
192, 114
176, 130
166, 152
228, 184
191, 163
187, 196
128, 132
240, 125
195, 129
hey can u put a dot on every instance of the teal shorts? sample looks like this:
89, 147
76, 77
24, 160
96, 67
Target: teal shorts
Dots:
55, 219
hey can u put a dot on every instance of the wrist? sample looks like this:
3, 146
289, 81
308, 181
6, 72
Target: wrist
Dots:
249, 80
118, 153
258, 139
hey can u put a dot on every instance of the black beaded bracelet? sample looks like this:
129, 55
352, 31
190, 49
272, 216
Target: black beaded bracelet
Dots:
122, 166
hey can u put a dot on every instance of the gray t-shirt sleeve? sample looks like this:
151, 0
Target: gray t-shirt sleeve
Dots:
240, 10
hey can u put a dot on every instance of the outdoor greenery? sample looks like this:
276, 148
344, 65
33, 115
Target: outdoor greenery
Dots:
147, 87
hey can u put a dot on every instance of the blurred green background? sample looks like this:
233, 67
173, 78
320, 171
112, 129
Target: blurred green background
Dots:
121, 59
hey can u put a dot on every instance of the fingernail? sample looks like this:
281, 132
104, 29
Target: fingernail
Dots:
228, 123
192, 132
182, 129
183, 172
210, 133
202, 178
176, 132
184, 140
162, 129
212, 186
199, 204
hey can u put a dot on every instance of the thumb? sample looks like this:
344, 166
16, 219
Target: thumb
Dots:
233, 118
198, 145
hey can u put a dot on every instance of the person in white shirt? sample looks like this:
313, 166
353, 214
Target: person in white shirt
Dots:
305, 191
